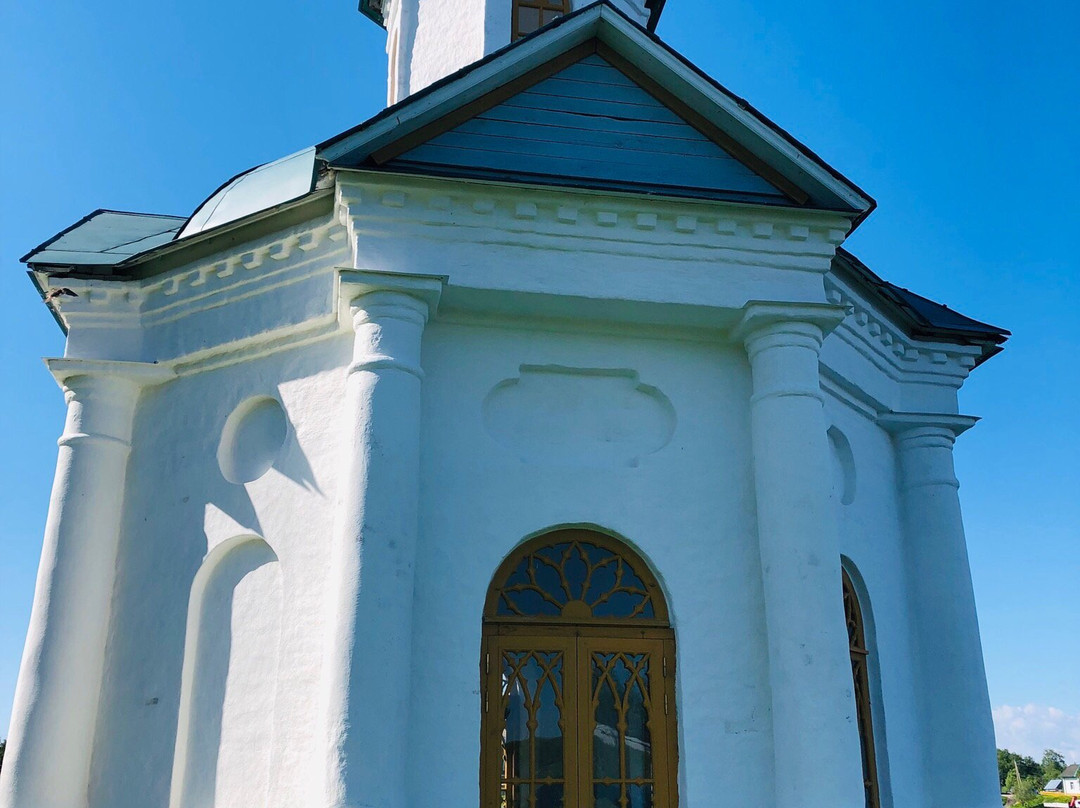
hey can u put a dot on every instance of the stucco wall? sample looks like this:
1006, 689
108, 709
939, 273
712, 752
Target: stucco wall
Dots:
687, 507
179, 509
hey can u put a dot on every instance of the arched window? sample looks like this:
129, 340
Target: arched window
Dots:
577, 673
860, 674
530, 15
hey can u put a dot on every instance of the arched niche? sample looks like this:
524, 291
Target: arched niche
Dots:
225, 733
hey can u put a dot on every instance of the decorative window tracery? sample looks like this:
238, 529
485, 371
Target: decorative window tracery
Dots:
577, 580
578, 679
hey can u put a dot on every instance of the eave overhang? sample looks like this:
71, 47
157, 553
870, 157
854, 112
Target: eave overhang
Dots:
920, 317
373, 10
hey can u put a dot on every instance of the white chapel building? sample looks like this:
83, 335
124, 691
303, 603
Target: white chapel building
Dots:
533, 444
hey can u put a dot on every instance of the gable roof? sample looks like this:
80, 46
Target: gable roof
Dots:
762, 162
588, 126
1072, 770
705, 105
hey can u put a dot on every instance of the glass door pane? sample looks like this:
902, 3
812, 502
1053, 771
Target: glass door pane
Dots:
623, 731
533, 713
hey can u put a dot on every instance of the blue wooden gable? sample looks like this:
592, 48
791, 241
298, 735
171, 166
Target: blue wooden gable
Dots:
589, 125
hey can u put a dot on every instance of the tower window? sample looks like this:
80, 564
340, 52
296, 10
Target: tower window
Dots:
529, 15
577, 676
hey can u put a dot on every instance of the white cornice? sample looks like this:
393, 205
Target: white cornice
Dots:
196, 286
370, 203
875, 336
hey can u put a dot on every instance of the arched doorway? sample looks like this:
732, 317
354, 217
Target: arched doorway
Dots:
577, 675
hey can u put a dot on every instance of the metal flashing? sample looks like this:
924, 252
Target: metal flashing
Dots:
104, 238
258, 188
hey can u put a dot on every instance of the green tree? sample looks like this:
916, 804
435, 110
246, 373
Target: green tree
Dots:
1027, 789
1009, 762
1053, 764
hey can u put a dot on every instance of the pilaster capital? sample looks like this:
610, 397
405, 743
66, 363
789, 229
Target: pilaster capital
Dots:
101, 396
76, 375
925, 429
795, 324
364, 290
924, 444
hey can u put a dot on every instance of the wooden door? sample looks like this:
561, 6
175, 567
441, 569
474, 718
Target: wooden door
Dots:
577, 720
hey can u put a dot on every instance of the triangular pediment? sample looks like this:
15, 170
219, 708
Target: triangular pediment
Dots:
594, 101
589, 125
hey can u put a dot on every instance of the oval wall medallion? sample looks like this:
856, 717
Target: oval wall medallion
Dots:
578, 416
252, 439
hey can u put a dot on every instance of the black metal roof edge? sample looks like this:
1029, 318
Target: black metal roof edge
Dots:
92, 215
989, 337
372, 9
742, 103
656, 8
48, 303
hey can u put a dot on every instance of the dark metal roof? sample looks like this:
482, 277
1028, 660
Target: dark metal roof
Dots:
105, 238
921, 317
372, 9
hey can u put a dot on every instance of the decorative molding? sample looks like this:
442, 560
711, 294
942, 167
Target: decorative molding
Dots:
761, 235
354, 283
759, 315
866, 329
141, 374
899, 423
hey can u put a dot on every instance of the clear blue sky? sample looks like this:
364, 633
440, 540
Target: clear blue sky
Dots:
960, 118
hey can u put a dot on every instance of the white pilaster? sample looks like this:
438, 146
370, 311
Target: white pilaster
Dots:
47, 764
815, 734
369, 650
958, 728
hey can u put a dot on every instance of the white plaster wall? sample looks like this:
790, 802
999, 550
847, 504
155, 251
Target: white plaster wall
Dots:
179, 509
226, 738
528, 424
871, 539
687, 507
439, 37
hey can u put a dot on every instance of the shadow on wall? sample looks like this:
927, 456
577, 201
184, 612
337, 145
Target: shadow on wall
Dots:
225, 734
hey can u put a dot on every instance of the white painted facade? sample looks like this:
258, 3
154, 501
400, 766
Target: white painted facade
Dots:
427, 40
296, 454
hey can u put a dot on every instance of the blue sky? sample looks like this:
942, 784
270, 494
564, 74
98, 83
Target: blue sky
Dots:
960, 118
